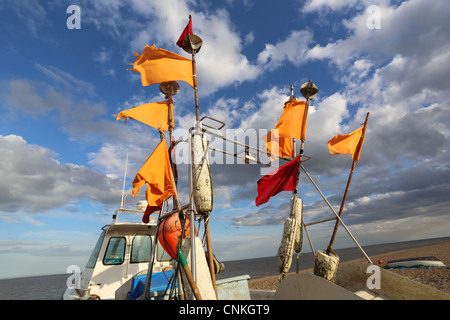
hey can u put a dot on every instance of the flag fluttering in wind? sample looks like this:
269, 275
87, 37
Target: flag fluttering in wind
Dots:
348, 143
187, 31
281, 179
157, 174
292, 123
153, 114
159, 65
274, 141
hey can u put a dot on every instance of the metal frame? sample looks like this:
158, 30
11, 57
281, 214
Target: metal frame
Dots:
247, 147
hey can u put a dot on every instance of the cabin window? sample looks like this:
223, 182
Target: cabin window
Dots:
161, 254
115, 251
94, 255
141, 249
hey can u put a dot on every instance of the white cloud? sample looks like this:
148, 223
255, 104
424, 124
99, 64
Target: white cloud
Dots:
220, 61
65, 80
292, 49
33, 181
269, 105
404, 30
31, 13
102, 55
249, 38
318, 5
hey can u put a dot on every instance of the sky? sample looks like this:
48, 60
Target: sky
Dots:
62, 154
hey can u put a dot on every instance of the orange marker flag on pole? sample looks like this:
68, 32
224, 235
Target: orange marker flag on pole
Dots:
157, 174
273, 140
348, 143
159, 65
153, 114
292, 123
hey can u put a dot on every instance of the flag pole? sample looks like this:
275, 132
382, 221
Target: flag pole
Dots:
291, 97
330, 246
309, 91
194, 75
192, 44
169, 89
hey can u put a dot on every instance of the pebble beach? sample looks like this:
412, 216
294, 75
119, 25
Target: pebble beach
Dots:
436, 277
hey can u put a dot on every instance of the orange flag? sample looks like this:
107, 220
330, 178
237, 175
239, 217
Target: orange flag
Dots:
292, 123
348, 143
159, 65
154, 114
284, 144
157, 174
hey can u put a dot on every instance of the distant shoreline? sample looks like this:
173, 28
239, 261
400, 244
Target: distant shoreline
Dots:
406, 244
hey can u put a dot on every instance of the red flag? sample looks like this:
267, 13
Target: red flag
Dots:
281, 179
186, 32
148, 211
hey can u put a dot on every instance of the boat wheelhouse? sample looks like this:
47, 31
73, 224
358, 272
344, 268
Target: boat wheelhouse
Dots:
120, 261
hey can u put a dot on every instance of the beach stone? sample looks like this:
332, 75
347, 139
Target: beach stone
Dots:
325, 265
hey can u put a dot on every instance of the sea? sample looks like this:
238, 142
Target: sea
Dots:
51, 287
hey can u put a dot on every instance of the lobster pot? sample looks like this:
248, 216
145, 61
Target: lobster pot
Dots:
296, 214
203, 277
287, 245
325, 265
202, 191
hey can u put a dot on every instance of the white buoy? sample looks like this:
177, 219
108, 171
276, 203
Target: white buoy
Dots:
201, 175
325, 265
292, 237
297, 213
287, 245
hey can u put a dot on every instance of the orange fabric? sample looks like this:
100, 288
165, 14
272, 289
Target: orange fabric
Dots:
292, 123
348, 143
157, 174
152, 114
284, 144
159, 65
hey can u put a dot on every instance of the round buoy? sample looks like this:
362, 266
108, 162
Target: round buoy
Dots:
169, 233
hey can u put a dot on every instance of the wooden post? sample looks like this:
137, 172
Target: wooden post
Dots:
302, 144
330, 246
189, 276
194, 76
207, 232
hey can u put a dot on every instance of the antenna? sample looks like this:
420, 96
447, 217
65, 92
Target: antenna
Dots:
124, 181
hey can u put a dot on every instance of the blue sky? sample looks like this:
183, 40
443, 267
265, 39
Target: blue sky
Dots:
63, 154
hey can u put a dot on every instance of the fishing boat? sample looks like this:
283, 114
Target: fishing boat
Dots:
162, 257
415, 262
119, 260
118, 266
